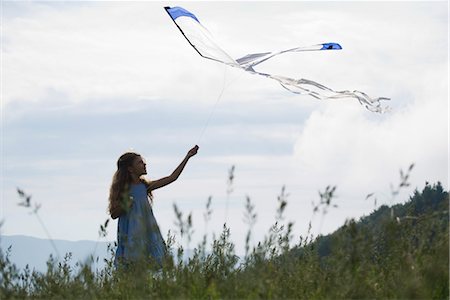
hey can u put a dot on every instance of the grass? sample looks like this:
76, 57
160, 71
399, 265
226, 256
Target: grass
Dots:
400, 251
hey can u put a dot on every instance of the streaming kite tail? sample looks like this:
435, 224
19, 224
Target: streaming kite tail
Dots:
321, 92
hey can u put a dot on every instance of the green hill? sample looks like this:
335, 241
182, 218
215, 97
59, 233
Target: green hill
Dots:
396, 252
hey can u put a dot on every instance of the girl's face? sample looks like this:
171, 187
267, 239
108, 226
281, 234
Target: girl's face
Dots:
138, 167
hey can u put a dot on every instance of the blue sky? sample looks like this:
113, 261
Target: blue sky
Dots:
82, 82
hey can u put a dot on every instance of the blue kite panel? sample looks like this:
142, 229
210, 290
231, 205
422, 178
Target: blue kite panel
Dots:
331, 46
177, 11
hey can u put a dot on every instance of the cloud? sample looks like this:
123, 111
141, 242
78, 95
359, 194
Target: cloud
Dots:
356, 150
344, 147
116, 50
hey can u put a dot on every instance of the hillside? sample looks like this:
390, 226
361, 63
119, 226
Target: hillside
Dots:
424, 216
395, 252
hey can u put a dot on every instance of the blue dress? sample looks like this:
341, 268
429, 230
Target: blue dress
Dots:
138, 234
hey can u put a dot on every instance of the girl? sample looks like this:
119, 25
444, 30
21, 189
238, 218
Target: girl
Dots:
138, 236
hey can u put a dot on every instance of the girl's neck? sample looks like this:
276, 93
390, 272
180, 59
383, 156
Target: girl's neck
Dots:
135, 179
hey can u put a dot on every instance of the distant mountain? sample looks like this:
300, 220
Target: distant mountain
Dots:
35, 252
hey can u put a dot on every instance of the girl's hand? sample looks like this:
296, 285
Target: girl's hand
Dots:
193, 151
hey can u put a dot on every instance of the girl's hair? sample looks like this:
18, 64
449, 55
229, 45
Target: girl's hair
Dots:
121, 180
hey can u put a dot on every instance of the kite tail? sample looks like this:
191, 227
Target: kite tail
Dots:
321, 92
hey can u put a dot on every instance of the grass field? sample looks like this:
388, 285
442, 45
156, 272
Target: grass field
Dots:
399, 252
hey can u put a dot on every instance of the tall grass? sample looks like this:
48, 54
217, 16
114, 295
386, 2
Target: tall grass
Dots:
399, 251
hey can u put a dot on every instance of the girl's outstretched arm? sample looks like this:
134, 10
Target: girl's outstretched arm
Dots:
156, 184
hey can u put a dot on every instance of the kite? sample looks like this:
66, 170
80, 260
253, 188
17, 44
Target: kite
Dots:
201, 40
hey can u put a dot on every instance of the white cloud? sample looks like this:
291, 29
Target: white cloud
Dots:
343, 147
98, 50
341, 144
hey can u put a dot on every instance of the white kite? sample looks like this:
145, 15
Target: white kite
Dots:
201, 40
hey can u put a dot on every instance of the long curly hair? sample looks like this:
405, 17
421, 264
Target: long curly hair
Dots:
121, 181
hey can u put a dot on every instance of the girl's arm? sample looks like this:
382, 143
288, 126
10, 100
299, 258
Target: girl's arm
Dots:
153, 185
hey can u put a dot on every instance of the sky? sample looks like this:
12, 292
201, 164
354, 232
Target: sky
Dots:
83, 82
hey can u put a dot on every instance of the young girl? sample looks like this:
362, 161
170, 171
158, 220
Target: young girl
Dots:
138, 236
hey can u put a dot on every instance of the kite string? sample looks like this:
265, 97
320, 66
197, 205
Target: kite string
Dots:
213, 109
224, 87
